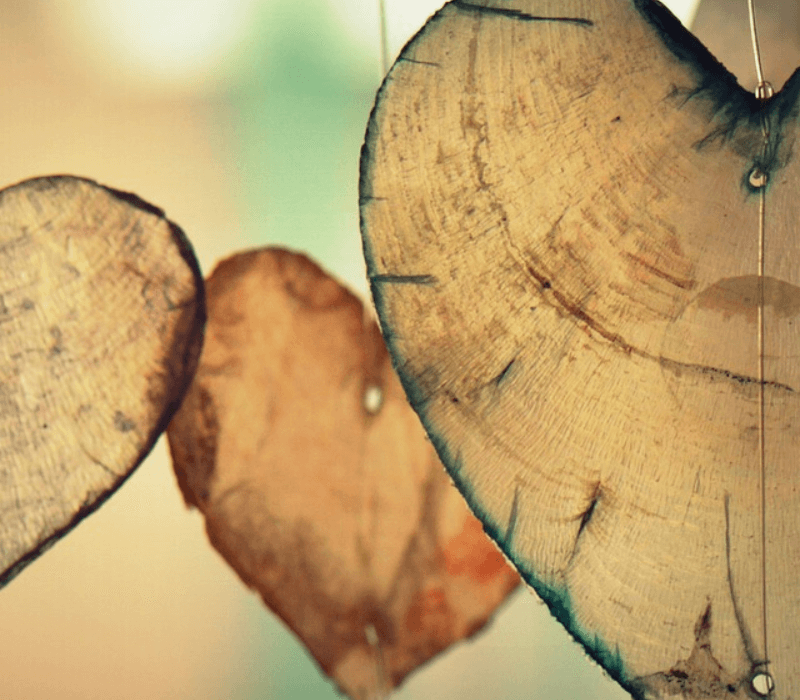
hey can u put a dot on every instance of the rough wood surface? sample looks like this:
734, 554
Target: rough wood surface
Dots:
101, 319
317, 482
560, 211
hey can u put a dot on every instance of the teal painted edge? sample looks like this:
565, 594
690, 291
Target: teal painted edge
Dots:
737, 106
731, 101
557, 600
713, 79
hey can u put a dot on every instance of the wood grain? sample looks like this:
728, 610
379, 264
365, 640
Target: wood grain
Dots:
573, 181
101, 321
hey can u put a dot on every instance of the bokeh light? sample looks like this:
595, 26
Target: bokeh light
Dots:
159, 45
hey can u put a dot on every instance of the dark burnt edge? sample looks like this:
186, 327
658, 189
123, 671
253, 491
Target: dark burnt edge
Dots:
731, 103
43, 183
47, 182
518, 14
714, 77
558, 599
189, 358
365, 193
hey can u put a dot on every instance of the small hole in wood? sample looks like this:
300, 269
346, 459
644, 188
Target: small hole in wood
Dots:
758, 178
372, 635
762, 683
373, 399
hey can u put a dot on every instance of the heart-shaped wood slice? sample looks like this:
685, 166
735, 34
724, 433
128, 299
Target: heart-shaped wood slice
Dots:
317, 482
101, 321
561, 207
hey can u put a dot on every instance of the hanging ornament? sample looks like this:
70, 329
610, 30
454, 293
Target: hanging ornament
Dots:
317, 483
101, 320
581, 236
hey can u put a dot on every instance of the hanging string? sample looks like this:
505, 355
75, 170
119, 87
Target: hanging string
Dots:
756, 51
373, 398
384, 38
382, 688
762, 681
369, 314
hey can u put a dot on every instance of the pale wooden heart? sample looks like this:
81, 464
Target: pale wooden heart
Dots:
560, 210
101, 320
317, 482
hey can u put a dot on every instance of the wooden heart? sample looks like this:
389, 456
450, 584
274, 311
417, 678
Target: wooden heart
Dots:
561, 208
317, 482
101, 320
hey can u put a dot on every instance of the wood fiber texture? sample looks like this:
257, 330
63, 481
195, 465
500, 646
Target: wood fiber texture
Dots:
317, 482
561, 203
101, 322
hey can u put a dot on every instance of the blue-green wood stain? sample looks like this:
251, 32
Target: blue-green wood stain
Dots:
733, 107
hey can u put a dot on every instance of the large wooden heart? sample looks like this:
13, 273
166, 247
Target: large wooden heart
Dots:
561, 210
101, 322
317, 482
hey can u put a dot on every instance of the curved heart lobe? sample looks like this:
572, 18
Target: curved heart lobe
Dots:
561, 206
101, 323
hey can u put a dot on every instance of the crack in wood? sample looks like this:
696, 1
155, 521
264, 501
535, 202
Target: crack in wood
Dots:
578, 314
511, 527
585, 518
503, 373
587, 515
404, 279
406, 59
658, 272
747, 640
519, 15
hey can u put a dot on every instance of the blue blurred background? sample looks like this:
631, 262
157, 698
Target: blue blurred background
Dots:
243, 119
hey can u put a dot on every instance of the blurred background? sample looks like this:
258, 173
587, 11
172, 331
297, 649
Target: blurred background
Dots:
243, 119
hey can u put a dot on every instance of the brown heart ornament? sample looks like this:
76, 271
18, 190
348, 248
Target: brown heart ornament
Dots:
101, 323
317, 482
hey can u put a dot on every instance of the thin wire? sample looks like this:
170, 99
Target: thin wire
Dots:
369, 314
762, 448
384, 38
382, 688
751, 9
763, 92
